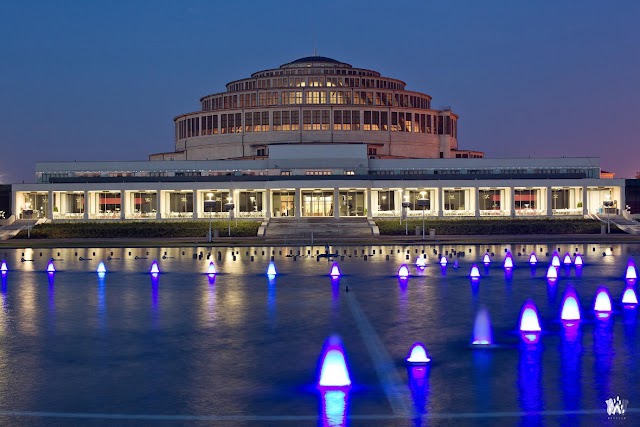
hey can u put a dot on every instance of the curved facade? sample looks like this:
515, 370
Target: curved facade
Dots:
321, 100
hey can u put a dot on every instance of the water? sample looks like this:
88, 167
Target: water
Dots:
240, 348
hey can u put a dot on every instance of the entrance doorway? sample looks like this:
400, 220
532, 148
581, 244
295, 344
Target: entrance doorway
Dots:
317, 203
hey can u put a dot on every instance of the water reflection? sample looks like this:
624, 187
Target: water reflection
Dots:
530, 396
570, 367
271, 297
603, 354
101, 302
335, 289
334, 404
155, 281
418, 376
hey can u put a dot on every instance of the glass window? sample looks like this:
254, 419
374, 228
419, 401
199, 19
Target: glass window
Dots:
490, 200
214, 200
386, 200
181, 203
250, 201
454, 200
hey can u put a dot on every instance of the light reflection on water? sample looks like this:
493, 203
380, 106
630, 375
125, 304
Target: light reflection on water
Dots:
236, 344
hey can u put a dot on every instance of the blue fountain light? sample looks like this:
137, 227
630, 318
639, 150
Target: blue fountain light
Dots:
421, 262
529, 321
403, 271
334, 407
552, 273
508, 260
418, 354
567, 259
455, 263
474, 273
555, 260
101, 268
486, 260
482, 329
629, 297
335, 270
631, 271
51, 268
333, 366
154, 268
602, 303
211, 269
578, 261
3, 267
570, 307
533, 260
271, 270
443, 261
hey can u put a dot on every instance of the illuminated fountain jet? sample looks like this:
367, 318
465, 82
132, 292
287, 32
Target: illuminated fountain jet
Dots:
631, 271
474, 274
570, 313
3, 267
482, 329
443, 261
629, 297
555, 260
403, 271
529, 323
533, 260
335, 270
552, 273
333, 366
155, 270
567, 259
602, 304
211, 270
578, 261
421, 263
508, 260
271, 270
418, 354
51, 268
455, 263
101, 268
486, 260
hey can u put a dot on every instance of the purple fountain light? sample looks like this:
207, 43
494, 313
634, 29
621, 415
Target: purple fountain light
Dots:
335, 270
570, 313
418, 354
403, 271
154, 268
629, 297
51, 268
211, 269
552, 273
508, 260
533, 260
578, 261
3, 267
474, 273
334, 372
443, 261
529, 323
631, 271
421, 263
486, 260
602, 304
555, 260
567, 259
482, 329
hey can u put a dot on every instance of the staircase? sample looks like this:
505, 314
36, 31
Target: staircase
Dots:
627, 225
292, 230
11, 230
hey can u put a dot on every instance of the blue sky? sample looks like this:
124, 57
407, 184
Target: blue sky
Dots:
103, 80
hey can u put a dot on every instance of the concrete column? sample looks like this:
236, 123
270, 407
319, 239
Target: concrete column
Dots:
159, 200
398, 203
622, 202
196, 204
336, 203
15, 209
585, 210
549, 201
87, 205
368, 196
123, 204
297, 199
235, 199
439, 201
50, 205
476, 191
267, 203
512, 201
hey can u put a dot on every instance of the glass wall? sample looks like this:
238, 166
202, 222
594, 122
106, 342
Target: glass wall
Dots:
214, 201
250, 203
317, 203
527, 201
181, 204
34, 205
143, 204
454, 200
352, 203
109, 205
412, 196
283, 203
386, 200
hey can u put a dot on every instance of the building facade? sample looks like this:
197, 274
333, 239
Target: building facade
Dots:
317, 138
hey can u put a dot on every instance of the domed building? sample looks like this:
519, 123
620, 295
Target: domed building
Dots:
316, 100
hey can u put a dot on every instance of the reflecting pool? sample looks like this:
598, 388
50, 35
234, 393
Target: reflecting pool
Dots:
238, 347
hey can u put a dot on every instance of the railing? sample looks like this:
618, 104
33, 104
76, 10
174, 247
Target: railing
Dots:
460, 212
68, 215
427, 212
177, 214
141, 215
258, 214
530, 212
561, 212
494, 213
105, 215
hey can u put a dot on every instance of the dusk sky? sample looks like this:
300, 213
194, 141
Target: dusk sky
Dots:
103, 80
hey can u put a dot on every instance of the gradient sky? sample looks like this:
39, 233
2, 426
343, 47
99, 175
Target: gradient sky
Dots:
85, 80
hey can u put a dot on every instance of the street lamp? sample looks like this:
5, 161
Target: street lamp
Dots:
229, 208
607, 207
405, 207
423, 203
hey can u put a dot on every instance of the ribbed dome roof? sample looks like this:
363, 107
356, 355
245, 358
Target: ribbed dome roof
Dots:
316, 61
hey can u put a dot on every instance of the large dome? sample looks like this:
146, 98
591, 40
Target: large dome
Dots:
315, 61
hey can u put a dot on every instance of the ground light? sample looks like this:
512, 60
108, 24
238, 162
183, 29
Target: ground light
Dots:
602, 304
335, 270
533, 260
154, 268
51, 268
418, 354
529, 323
271, 270
211, 270
482, 329
403, 271
101, 268
333, 365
